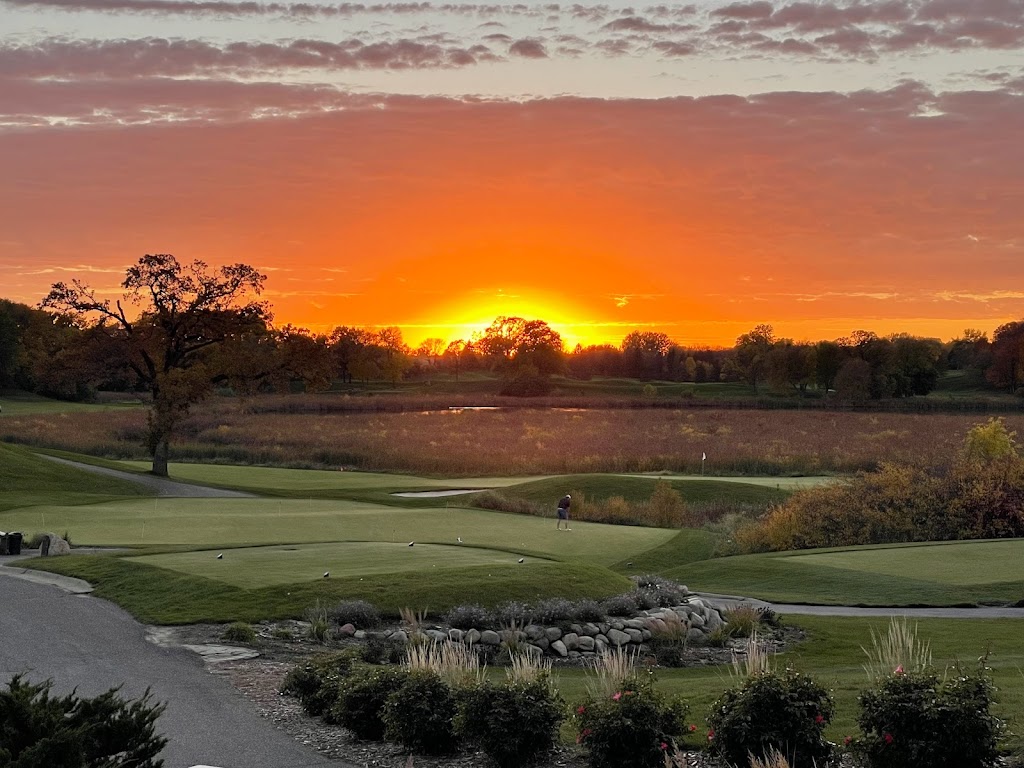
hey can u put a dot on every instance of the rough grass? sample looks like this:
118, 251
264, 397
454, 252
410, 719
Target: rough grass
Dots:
944, 573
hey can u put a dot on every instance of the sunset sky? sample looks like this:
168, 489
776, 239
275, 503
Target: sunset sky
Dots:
694, 169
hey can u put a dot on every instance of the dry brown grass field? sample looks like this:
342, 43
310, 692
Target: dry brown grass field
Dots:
521, 441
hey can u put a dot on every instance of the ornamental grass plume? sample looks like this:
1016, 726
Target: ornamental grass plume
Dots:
526, 667
755, 660
612, 669
896, 652
773, 759
455, 663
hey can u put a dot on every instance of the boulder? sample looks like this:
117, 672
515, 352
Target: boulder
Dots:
360, 634
600, 646
553, 633
696, 620
534, 631
714, 620
347, 630
559, 647
591, 630
586, 643
53, 545
694, 636
635, 635
399, 636
634, 624
455, 635
542, 643
571, 640
617, 638
490, 637
472, 636
436, 635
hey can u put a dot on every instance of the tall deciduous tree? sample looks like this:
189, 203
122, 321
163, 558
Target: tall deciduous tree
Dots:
186, 315
1007, 367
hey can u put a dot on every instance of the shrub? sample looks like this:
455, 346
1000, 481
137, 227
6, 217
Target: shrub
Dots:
514, 723
787, 712
620, 605
381, 650
359, 613
914, 719
512, 612
361, 698
742, 621
555, 610
315, 682
41, 731
664, 592
468, 617
634, 726
420, 714
588, 610
239, 632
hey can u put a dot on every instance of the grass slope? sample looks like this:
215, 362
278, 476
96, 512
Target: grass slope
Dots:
28, 404
28, 480
946, 573
161, 596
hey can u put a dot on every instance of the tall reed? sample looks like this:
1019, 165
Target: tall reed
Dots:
611, 671
898, 650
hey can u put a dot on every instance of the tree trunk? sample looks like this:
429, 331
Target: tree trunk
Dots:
160, 459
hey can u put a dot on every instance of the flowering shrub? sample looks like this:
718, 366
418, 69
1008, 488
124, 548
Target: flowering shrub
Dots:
468, 617
785, 711
634, 727
360, 613
420, 714
513, 723
914, 719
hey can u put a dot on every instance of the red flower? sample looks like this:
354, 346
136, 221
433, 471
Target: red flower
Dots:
586, 732
693, 728
617, 695
898, 670
888, 738
711, 734
664, 746
819, 719
847, 740
580, 709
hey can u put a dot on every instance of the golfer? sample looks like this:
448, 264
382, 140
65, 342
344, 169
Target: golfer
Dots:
563, 512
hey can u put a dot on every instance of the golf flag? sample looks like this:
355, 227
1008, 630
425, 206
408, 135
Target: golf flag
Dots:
703, 456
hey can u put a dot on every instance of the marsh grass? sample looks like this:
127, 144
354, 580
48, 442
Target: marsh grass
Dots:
773, 759
525, 667
516, 441
742, 621
319, 622
899, 648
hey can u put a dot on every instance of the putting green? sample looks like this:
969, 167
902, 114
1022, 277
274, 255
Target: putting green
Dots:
255, 567
247, 522
955, 562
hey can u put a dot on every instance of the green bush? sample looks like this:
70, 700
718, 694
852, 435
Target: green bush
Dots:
239, 632
914, 719
379, 649
620, 605
316, 681
632, 728
512, 612
785, 711
361, 698
420, 714
41, 731
513, 723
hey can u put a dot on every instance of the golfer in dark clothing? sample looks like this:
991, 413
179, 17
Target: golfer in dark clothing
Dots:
563, 512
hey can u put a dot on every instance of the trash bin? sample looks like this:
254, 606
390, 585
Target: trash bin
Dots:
3, 543
14, 542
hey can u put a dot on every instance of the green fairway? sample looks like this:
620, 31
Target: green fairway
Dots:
775, 482
318, 483
241, 522
955, 562
943, 573
27, 404
254, 567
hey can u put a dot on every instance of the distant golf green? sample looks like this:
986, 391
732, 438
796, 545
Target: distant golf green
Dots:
255, 567
27, 404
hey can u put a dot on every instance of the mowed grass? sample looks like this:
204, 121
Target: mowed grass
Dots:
255, 567
942, 573
833, 654
27, 480
28, 404
229, 523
